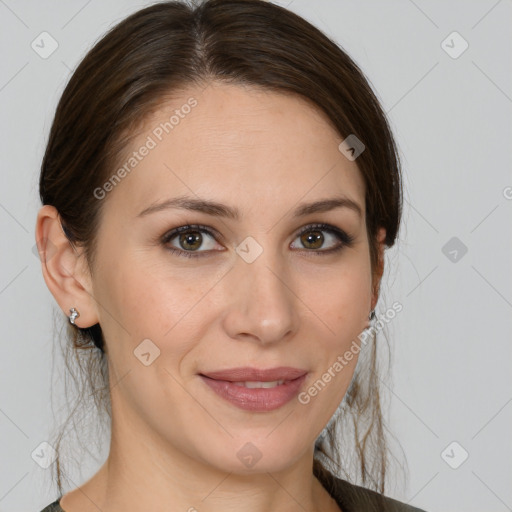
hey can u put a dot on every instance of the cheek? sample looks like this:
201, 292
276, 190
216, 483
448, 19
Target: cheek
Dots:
342, 306
149, 312
148, 300
340, 298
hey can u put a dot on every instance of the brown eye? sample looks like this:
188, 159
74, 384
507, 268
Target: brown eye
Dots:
312, 239
190, 241
323, 239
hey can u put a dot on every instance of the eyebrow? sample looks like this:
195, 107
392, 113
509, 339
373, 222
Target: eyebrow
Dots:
220, 210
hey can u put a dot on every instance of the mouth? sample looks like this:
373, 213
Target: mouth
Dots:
254, 389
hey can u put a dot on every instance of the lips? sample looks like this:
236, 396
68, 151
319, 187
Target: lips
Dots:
254, 389
245, 374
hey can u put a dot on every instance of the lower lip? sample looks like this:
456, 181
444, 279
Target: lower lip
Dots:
256, 399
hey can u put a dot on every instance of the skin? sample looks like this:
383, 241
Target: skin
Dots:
174, 442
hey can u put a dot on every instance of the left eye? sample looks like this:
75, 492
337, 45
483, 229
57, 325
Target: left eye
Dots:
313, 238
191, 238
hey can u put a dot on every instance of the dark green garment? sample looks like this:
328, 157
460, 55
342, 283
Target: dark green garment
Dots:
349, 497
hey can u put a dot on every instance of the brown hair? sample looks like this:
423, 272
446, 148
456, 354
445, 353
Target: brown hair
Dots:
165, 47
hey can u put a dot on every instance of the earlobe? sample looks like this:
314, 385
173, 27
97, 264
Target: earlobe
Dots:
64, 269
379, 270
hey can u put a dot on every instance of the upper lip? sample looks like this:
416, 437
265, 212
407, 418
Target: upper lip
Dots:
244, 374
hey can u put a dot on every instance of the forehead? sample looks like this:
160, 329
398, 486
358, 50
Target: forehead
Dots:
223, 141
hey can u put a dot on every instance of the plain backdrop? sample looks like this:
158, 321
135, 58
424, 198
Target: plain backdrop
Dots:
450, 108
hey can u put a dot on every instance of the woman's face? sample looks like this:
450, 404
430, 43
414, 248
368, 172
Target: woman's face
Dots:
262, 289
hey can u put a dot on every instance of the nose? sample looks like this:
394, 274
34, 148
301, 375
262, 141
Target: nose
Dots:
262, 305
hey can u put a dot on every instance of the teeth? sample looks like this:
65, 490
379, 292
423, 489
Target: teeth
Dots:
255, 384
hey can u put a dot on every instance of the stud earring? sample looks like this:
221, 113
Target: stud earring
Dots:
371, 316
73, 316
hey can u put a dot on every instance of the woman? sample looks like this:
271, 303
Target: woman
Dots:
218, 189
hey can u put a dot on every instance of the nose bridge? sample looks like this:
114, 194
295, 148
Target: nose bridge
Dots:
262, 303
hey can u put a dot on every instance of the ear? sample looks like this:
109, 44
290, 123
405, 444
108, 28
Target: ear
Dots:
64, 268
379, 270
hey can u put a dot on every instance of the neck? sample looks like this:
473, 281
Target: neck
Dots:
151, 475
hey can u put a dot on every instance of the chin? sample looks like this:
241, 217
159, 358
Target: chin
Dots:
262, 453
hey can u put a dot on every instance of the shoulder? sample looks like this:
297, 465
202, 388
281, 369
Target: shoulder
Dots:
53, 507
361, 499
354, 498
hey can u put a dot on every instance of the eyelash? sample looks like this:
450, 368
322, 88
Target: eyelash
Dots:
345, 239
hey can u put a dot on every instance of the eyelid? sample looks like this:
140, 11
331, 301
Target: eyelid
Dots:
191, 227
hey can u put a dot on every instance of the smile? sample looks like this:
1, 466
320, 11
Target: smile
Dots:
256, 390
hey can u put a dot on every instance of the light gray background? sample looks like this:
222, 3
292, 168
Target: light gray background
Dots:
451, 343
